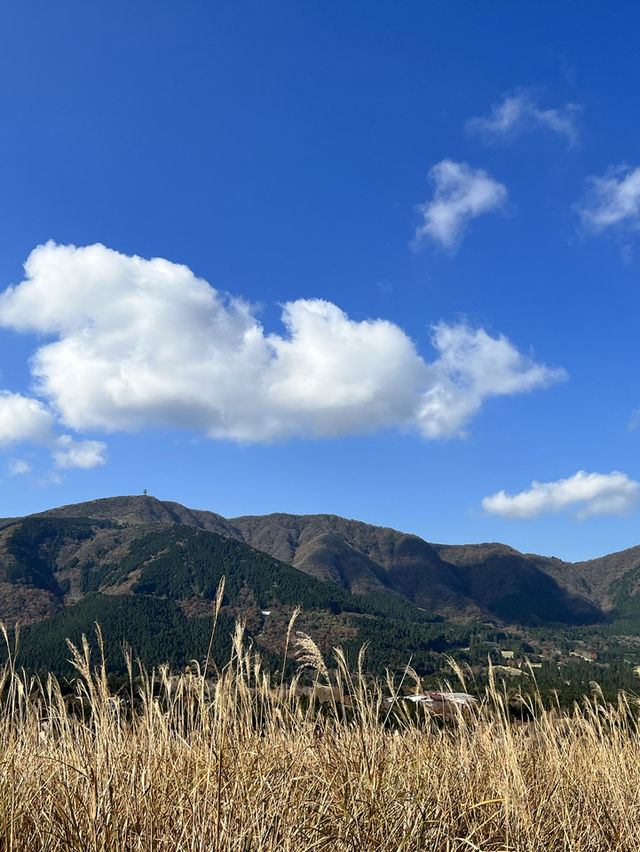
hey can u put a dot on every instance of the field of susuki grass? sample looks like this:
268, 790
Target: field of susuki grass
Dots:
230, 762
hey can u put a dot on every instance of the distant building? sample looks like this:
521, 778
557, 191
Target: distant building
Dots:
445, 704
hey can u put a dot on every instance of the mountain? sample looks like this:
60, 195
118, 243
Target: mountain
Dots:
360, 557
150, 581
484, 581
147, 571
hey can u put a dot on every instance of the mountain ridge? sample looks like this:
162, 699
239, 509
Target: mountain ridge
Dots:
474, 581
147, 571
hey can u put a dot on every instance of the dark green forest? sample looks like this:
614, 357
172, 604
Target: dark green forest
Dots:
157, 632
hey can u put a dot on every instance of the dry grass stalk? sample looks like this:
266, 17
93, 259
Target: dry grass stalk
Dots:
234, 765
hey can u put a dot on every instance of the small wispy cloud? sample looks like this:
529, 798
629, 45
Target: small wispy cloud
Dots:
518, 112
18, 467
612, 200
461, 193
590, 493
634, 420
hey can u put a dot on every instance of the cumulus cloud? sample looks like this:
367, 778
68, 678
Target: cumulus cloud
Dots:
142, 343
473, 366
23, 419
612, 199
460, 194
519, 113
84, 454
27, 420
590, 493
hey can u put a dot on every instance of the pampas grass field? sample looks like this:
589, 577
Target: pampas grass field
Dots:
231, 762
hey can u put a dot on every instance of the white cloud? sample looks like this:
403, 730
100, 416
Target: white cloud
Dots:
17, 467
142, 343
591, 493
23, 419
27, 420
519, 113
83, 454
461, 193
473, 366
613, 199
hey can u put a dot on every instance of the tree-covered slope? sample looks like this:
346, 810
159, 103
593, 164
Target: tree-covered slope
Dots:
156, 630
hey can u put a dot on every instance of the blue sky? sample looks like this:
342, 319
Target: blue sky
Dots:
396, 263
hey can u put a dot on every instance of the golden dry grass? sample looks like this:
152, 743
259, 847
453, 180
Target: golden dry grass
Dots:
230, 763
